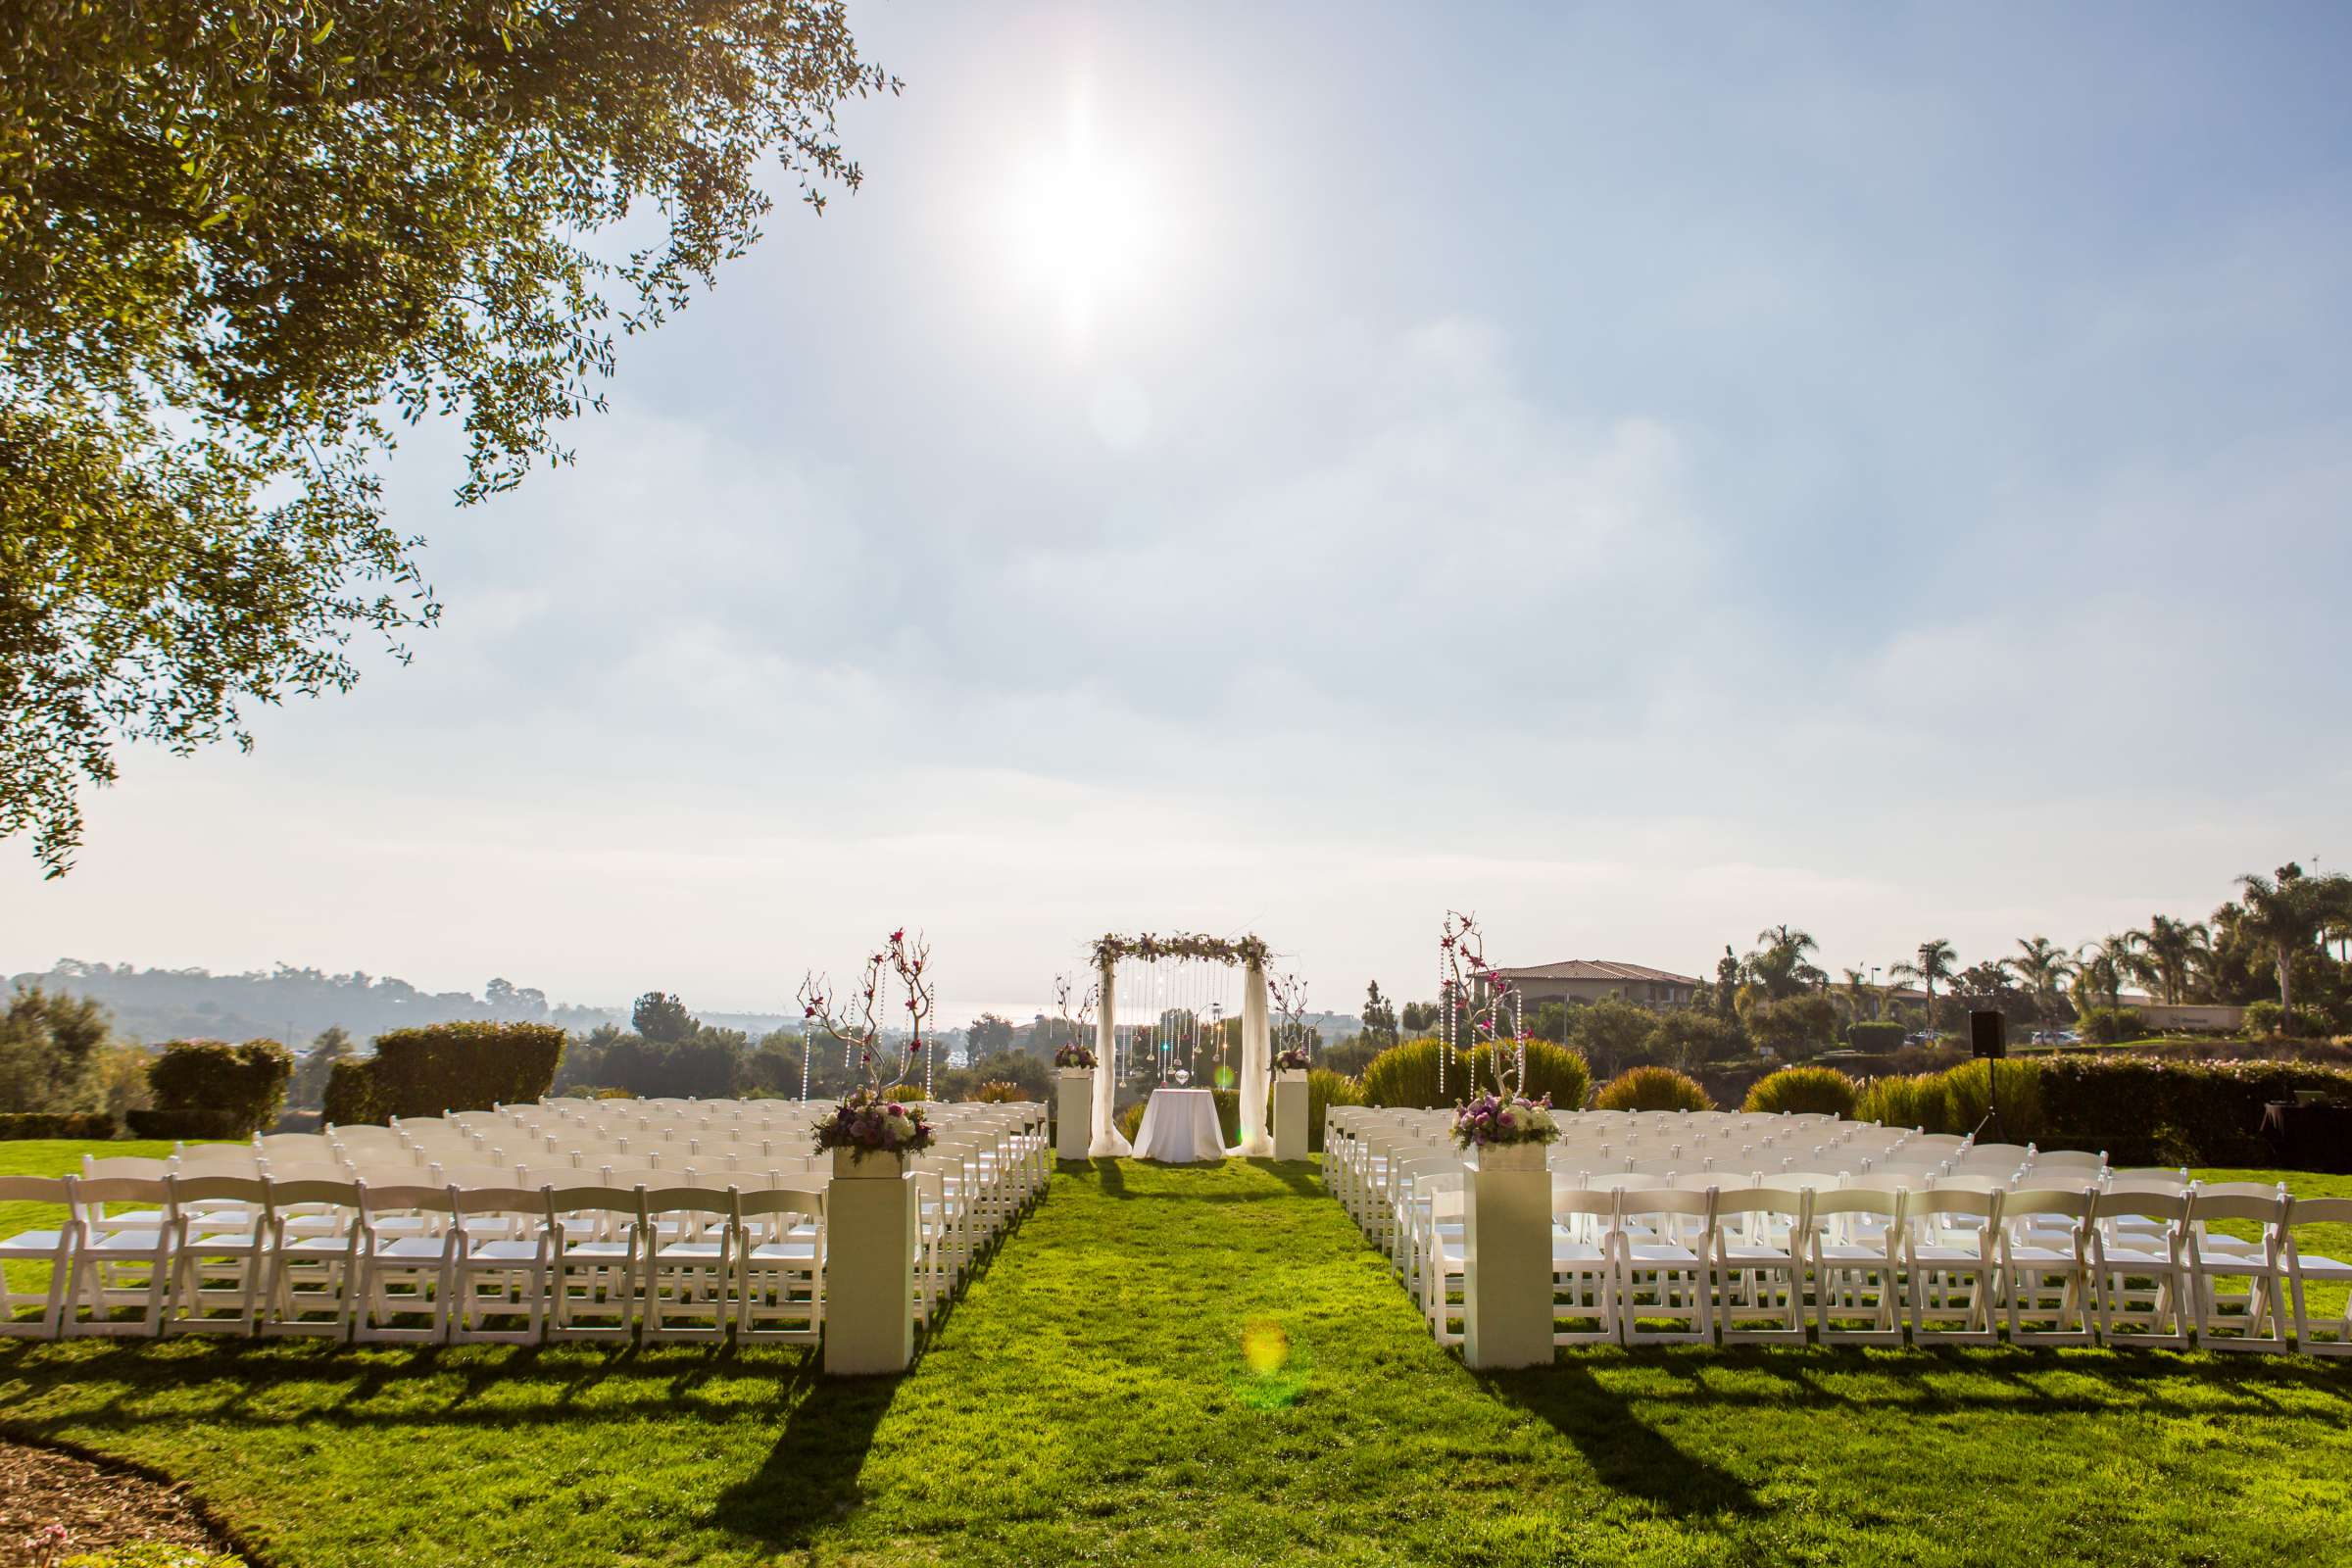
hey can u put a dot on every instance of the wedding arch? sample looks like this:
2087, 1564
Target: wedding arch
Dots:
1168, 982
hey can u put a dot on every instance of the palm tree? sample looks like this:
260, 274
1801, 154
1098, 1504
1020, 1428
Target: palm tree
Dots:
2170, 949
1936, 961
2285, 914
2098, 970
1858, 986
2041, 968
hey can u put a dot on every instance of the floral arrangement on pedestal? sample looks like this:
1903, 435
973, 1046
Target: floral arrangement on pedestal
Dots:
868, 1120
1287, 993
1076, 1053
1492, 1119
1473, 994
1292, 1061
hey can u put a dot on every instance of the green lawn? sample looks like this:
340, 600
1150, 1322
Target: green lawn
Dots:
1207, 1366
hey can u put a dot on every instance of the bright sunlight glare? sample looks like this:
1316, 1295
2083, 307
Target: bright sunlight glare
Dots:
1081, 225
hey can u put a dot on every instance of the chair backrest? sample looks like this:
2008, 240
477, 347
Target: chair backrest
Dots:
1732, 1201
754, 1203
210, 1188
33, 1190
710, 1203
1967, 1202
2068, 1203
400, 1198
1885, 1203
2172, 1207
277, 1194
2262, 1207
557, 1202
497, 1200
125, 1165
1970, 1182
2319, 1211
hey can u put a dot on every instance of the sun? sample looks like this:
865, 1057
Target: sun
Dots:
1080, 224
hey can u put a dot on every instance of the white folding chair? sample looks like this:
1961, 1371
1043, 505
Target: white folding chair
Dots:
1855, 1235
499, 1263
311, 1257
596, 1233
215, 1267
52, 1246
1755, 1264
1949, 1263
2333, 1337
2137, 1269
2045, 1264
404, 1274
2227, 1317
780, 1263
689, 1259
118, 1268
1584, 1275
1660, 1237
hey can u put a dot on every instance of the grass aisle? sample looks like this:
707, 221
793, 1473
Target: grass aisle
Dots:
1207, 1366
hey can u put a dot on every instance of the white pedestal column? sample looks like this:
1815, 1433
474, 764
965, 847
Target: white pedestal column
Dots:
1290, 1115
1074, 1112
1506, 1258
869, 1265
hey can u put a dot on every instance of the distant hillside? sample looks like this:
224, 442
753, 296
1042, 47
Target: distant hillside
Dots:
153, 1004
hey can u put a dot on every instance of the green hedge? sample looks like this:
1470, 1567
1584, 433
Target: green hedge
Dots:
188, 1125
56, 1124
1324, 1090
2140, 1109
1816, 1091
445, 1067
244, 1085
1407, 1074
2110, 1026
1874, 1034
1652, 1088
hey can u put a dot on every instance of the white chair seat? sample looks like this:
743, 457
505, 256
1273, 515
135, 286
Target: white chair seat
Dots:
31, 1244
504, 1252
124, 1242
418, 1248
2317, 1268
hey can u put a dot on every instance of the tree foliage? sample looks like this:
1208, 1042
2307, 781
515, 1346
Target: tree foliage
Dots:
241, 240
50, 1050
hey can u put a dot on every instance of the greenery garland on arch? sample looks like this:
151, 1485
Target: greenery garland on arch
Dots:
1251, 952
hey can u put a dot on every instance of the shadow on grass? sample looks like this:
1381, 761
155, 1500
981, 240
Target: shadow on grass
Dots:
1298, 1175
1628, 1455
809, 1481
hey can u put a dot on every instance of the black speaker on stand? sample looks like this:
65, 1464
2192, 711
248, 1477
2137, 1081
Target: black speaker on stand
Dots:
1989, 1042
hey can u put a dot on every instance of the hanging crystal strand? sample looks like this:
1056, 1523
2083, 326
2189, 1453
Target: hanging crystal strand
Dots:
1519, 1028
808, 1052
929, 1051
1444, 1013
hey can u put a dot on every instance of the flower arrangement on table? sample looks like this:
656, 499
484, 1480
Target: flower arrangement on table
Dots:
868, 1120
1291, 1060
1497, 1120
1073, 1054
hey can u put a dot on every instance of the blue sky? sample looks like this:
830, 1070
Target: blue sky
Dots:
1641, 474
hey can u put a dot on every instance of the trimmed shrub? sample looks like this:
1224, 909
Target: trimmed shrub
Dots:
2269, 1018
2111, 1026
998, 1092
1875, 1034
188, 1125
1959, 1100
1814, 1090
246, 1083
2142, 1109
1324, 1090
56, 1124
1652, 1088
1408, 1075
350, 1099
443, 1067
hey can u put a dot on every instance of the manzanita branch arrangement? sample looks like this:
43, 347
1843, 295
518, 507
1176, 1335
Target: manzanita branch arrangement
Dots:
1471, 993
1075, 1053
1287, 993
866, 1118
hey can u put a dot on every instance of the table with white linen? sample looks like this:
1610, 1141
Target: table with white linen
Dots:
1180, 1126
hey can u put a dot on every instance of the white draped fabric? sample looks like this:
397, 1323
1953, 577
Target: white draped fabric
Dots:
1258, 1067
1179, 1127
1108, 1141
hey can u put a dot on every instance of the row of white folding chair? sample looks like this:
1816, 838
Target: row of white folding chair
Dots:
2052, 1262
749, 1262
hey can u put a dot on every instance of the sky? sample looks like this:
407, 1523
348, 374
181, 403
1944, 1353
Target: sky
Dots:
1637, 474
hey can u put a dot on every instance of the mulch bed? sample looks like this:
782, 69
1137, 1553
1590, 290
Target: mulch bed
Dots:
100, 1505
